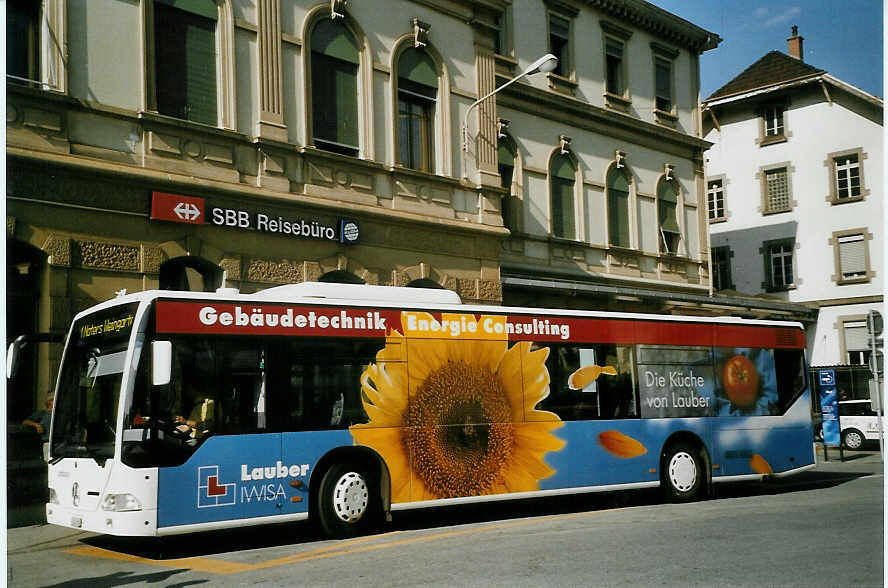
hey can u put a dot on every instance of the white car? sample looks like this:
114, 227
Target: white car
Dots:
859, 423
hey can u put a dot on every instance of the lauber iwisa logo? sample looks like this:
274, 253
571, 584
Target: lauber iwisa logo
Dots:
210, 492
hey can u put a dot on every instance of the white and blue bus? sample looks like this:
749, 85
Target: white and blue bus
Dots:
180, 411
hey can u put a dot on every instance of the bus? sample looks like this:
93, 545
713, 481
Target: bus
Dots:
178, 412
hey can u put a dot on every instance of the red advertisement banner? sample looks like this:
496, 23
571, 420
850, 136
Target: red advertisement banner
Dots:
244, 318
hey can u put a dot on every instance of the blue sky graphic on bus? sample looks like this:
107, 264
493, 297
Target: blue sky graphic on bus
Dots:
243, 476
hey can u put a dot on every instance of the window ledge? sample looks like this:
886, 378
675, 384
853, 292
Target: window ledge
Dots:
665, 117
834, 200
852, 281
156, 117
772, 140
617, 101
781, 211
505, 64
619, 249
673, 257
780, 288
715, 221
565, 241
562, 84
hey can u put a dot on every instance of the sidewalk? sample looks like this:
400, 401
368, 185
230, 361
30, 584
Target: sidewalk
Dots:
868, 462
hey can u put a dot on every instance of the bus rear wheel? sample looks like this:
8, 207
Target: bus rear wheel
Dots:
347, 501
683, 473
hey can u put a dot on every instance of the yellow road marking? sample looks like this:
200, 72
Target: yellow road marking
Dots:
220, 566
198, 564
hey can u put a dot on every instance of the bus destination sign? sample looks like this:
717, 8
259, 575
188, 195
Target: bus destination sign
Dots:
195, 211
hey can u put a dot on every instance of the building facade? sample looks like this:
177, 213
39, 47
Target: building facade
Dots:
795, 197
208, 143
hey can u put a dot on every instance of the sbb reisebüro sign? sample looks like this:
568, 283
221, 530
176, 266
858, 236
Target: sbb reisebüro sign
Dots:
195, 211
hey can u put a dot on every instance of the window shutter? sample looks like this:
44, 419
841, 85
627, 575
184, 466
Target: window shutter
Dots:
618, 209
563, 168
856, 336
563, 178
664, 79
185, 60
333, 40
417, 67
559, 27
504, 154
562, 208
200, 72
852, 255
667, 202
204, 8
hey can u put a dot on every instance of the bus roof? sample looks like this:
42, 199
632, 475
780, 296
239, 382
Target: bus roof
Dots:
327, 293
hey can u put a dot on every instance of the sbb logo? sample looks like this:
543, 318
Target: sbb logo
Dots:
228, 217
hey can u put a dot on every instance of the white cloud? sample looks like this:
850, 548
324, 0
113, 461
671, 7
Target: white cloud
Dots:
771, 20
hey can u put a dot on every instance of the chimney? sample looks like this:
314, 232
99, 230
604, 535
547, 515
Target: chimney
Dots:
795, 44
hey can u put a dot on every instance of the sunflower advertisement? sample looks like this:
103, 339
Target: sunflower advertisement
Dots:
451, 408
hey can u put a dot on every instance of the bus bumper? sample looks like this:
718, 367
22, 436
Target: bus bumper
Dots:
138, 523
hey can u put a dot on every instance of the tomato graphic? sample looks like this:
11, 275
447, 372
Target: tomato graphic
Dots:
741, 381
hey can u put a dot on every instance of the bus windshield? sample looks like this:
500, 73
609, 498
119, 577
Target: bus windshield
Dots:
85, 417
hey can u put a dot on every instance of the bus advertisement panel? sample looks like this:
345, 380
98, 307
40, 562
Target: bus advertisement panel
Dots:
462, 405
245, 409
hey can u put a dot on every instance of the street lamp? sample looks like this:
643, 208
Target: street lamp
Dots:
545, 64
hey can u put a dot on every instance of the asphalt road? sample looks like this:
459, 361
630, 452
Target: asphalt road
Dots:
821, 528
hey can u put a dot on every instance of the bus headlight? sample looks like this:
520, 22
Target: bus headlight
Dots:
121, 502
53, 497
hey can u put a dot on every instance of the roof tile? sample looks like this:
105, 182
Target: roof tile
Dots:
772, 69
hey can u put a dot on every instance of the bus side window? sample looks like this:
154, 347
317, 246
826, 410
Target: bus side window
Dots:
241, 388
791, 376
591, 382
317, 383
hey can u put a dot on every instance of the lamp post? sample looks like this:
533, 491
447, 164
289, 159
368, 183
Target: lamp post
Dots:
545, 64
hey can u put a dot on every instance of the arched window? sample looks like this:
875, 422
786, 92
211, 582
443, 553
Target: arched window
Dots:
618, 208
505, 158
191, 274
417, 93
563, 178
341, 277
185, 59
334, 87
667, 203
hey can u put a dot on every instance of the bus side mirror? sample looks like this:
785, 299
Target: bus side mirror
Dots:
14, 356
161, 362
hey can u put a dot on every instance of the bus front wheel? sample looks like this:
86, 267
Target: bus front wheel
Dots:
347, 501
683, 472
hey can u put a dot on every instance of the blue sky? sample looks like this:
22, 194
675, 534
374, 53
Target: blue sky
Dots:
842, 37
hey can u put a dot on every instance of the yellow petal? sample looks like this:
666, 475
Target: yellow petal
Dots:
620, 445
510, 375
583, 377
609, 370
759, 465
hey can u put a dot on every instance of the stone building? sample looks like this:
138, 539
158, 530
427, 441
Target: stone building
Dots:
191, 145
795, 190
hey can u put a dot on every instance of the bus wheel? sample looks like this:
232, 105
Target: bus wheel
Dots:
346, 501
853, 439
683, 472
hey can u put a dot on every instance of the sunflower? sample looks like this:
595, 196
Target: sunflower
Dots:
454, 416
